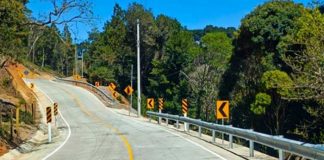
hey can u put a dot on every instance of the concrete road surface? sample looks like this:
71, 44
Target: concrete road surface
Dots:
98, 132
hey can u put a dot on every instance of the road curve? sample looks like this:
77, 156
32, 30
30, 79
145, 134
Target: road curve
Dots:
98, 132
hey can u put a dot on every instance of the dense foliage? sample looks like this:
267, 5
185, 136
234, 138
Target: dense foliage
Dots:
271, 68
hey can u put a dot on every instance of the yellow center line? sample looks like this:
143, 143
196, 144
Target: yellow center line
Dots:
106, 124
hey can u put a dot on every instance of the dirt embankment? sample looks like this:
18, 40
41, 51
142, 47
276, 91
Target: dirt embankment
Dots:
18, 111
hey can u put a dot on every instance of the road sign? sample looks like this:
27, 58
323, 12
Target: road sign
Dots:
97, 84
161, 102
32, 85
222, 109
150, 103
184, 104
128, 90
48, 115
55, 109
112, 86
20, 75
26, 72
115, 94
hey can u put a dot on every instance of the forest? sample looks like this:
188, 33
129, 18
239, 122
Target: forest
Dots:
270, 68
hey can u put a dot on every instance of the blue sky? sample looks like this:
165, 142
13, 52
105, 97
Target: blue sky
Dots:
194, 14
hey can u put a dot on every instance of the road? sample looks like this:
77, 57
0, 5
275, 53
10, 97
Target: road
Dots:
99, 132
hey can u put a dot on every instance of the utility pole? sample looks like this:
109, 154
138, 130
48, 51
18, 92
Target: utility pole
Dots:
76, 60
131, 105
82, 65
138, 72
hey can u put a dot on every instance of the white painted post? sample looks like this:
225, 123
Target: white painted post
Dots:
214, 136
177, 124
167, 121
185, 123
49, 132
280, 152
251, 146
160, 119
230, 140
199, 129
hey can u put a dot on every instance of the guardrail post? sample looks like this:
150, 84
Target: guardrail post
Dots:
167, 121
280, 152
185, 124
177, 124
230, 145
230, 139
214, 137
251, 145
251, 148
160, 119
187, 127
199, 131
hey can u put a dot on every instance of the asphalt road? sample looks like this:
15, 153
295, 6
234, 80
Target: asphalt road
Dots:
98, 132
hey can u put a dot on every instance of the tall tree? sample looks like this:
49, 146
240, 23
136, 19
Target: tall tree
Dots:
208, 67
12, 31
256, 51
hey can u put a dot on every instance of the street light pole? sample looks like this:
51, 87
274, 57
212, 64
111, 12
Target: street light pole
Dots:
138, 72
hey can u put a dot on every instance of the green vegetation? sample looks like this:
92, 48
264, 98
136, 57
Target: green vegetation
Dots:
270, 68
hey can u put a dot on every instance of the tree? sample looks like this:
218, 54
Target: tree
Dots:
208, 67
61, 13
165, 79
12, 31
256, 52
303, 52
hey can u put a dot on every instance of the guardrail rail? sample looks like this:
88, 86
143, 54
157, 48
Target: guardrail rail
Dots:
94, 88
279, 143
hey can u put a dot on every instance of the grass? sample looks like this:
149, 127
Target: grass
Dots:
26, 117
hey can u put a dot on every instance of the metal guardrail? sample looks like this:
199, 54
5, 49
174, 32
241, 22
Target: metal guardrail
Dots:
305, 150
94, 88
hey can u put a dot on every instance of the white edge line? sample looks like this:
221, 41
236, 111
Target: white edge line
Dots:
69, 129
162, 128
198, 145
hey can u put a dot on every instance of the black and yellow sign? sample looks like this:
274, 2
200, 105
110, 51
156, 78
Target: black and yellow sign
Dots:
128, 90
112, 86
115, 94
48, 115
32, 85
184, 104
55, 109
161, 102
222, 109
97, 84
150, 103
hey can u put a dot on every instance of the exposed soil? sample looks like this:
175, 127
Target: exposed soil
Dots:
14, 93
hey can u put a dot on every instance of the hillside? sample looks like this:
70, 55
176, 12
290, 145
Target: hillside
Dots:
15, 94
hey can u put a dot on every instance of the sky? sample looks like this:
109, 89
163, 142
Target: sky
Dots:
194, 14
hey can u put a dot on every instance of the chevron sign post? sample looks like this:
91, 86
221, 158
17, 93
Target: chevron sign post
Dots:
222, 112
184, 105
222, 109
